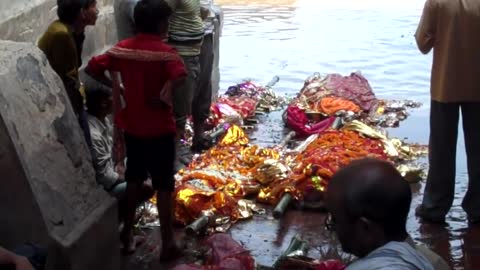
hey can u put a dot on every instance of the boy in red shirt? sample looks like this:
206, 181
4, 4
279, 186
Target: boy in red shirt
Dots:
149, 70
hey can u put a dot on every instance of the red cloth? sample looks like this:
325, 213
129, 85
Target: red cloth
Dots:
226, 254
354, 87
297, 120
331, 265
145, 64
244, 105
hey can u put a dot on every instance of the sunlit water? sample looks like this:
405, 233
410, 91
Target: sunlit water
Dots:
293, 39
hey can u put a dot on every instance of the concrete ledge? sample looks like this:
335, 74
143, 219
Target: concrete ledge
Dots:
49, 190
70, 254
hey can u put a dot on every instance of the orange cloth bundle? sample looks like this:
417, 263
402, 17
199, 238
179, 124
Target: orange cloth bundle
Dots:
331, 105
317, 164
195, 196
219, 178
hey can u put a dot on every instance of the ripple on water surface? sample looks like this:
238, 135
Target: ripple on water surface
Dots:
294, 38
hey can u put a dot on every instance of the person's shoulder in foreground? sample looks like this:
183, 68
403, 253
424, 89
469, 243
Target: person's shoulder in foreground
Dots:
438, 262
394, 256
369, 201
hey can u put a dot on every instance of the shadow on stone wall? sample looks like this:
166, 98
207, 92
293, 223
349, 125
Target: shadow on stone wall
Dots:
48, 191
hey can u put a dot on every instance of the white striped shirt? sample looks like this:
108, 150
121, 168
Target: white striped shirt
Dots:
186, 27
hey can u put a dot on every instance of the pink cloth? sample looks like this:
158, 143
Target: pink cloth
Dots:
297, 120
226, 254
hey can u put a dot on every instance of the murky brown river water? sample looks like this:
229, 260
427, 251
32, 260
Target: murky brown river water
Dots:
294, 38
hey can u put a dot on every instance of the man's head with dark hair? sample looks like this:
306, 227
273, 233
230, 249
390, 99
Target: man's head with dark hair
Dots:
151, 17
369, 203
99, 101
74, 12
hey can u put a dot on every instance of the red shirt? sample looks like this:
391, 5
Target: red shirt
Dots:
145, 64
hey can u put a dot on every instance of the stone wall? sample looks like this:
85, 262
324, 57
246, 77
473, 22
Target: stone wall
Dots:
48, 192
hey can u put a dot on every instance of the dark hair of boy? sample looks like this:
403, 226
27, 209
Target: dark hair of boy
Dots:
68, 10
95, 100
149, 15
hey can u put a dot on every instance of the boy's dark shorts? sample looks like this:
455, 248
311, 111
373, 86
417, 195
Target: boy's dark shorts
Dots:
154, 157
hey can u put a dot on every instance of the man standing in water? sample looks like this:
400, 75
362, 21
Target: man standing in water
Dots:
62, 43
451, 28
186, 34
202, 98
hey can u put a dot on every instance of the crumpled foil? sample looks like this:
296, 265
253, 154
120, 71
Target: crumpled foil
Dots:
248, 208
147, 215
267, 99
395, 148
234, 136
271, 170
195, 196
389, 113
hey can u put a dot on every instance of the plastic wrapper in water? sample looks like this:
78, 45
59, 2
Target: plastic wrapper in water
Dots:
297, 249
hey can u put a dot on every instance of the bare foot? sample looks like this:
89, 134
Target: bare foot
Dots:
130, 244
